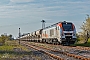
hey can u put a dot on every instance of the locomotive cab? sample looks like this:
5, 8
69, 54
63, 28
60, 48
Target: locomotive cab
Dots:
67, 33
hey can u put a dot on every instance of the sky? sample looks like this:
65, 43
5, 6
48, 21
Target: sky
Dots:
28, 14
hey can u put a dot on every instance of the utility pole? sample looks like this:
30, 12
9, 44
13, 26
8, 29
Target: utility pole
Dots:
19, 36
43, 24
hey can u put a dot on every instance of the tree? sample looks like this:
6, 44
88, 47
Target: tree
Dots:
10, 37
4, 38
85, 34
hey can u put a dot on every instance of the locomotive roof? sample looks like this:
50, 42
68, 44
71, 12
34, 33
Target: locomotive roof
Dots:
56, 24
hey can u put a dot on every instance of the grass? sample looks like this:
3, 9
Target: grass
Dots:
10, 45
6, 48
7, 51
82, 44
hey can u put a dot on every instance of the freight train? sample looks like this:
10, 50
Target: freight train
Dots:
59, 33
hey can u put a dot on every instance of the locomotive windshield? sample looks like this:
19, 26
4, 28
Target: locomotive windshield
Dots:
67, 26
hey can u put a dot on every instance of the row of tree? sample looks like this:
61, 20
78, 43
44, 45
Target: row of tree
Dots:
85, 33
4, 38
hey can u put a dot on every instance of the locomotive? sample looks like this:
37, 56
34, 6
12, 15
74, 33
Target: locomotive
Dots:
59, 33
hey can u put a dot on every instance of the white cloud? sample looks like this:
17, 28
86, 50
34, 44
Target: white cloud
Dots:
40, 10
74, 2
49, 11
20, 1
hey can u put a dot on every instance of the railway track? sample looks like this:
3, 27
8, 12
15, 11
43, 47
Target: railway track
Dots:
82, 48
74, 47
78, 50
43, 51
60, 55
